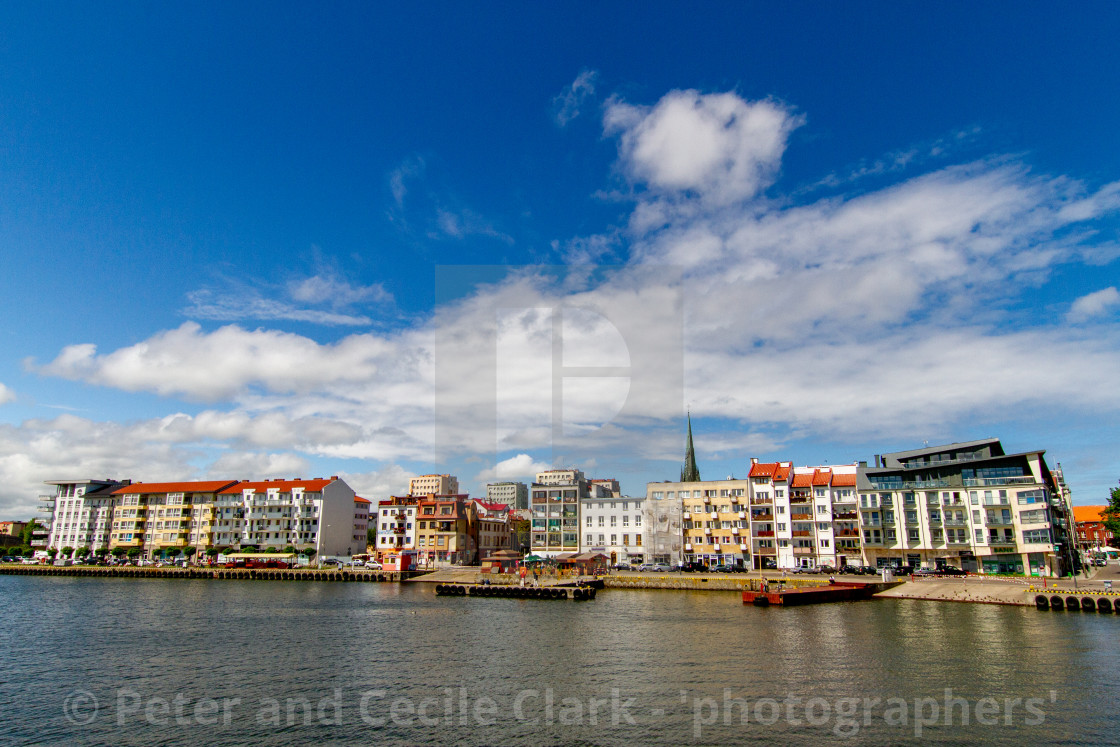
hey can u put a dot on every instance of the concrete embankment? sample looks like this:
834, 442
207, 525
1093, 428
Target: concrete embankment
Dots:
229, 574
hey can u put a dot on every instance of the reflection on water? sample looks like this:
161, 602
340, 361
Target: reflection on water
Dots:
115, 661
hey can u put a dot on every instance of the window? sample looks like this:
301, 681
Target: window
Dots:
614, 539
912, 534
626, 539
589, 523
890, 535
614, 520
638, 520
590, 540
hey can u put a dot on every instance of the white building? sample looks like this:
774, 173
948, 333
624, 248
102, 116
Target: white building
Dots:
433, 485
614, 526
492, 527
315, 514
512, 494
396, 525
361, 522
80, 514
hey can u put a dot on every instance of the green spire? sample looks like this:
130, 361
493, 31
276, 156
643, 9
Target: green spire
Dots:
690, 472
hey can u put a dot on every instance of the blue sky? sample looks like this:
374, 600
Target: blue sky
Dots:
265, 239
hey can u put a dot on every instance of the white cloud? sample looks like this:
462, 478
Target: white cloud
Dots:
1094, 304
569, 102
391, 479
884, 313
521, 467
6, 395
716, 146
230, 360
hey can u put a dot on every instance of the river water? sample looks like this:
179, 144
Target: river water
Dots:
176, 662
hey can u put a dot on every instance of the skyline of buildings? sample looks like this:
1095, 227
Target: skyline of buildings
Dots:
970, 505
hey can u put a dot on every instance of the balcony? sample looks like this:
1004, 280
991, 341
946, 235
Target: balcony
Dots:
801, 517
983, 482
762, 517
801, 533
686, 515
761, 501
846, 516
764, 533
742, 514
847, 533
799, 499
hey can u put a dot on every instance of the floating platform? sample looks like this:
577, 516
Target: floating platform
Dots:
783, 597
574, 593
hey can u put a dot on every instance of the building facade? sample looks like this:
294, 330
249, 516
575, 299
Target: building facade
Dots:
433, 485
512, 494
396, 525
613, 525
162, 517
1092, 534
445, 531
79, 513
555, 505
970, 505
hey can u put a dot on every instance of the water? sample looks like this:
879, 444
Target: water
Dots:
151, 662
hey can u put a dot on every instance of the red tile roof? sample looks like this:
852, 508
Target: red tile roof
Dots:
802, 480
822, 476
284, 486
777, 471
844, 480
1083, 514
359, 499
149, 488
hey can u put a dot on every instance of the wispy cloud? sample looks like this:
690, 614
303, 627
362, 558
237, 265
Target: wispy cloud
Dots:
325, 298
568, 104
1094, 304
6, 395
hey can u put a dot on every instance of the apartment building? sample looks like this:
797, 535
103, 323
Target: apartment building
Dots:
969, 505
512, 494
316, 514
444, 535
492, 529
159, 517
361, 522
396, 525
613, 525
555, 505
80, 514
433, 485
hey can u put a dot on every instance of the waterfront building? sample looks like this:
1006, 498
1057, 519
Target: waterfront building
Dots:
613, 526
555, 502
80, 514
969, 505
361, 523
313, 514
433, 485
1092, 534
492, 529
512, 494
714, 520
396, 525
444, 533
160, 517
662, 524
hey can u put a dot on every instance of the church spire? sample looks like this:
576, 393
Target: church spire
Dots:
690, 472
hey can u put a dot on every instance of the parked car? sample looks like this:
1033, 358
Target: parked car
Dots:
769, 563
7, 560
948, 570
330, 561
694, 567
656, 567
826, 568
373, 565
